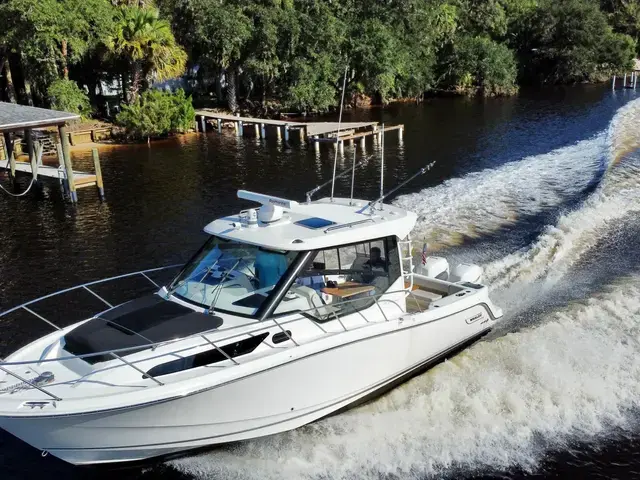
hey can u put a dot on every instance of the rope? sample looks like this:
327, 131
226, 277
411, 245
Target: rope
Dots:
33, 180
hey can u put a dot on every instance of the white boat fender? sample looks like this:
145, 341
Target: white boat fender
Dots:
466, 272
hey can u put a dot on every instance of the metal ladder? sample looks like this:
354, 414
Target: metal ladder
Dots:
407, 275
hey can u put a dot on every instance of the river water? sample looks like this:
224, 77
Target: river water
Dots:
542, 189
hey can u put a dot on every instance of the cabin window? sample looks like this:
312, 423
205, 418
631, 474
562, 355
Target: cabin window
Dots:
344, 279
231, 277
201, 359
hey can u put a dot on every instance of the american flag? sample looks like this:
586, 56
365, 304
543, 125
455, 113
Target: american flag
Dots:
424, 254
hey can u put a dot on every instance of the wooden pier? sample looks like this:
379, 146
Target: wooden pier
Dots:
312, 132
19, 118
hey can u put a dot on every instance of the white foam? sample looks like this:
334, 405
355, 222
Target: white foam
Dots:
481, 202
575, 232
572, 376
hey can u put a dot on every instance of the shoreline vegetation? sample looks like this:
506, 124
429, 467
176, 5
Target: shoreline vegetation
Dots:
114, 60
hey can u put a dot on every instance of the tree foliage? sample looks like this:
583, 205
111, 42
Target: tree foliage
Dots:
65, 95
156, 113
295, 52
145, 43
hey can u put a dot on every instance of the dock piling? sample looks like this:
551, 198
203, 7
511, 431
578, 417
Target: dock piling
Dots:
98, 170
31, 151
203, 124
219, 125
362, 144
257, 130
400, 133
8, 141
286, 133
66, 153
613, 84
240, 128
279, 131
63, 180
263, 133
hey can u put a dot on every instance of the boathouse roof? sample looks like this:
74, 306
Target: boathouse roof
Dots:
19, 117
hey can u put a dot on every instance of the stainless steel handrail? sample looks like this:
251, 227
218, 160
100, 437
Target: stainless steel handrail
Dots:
114, 352
259, 327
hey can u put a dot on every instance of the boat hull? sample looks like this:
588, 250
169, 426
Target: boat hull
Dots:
263, 403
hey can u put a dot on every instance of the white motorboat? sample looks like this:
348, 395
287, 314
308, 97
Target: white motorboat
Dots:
290, 312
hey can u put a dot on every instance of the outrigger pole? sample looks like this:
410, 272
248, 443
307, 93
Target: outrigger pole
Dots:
335, 159
373, 203
341, 174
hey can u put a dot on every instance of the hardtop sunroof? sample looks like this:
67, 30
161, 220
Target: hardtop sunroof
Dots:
314, 223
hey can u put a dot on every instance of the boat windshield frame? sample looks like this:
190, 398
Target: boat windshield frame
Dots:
198, 264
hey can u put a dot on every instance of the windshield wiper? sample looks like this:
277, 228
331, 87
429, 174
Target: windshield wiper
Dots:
218, 290
208, 270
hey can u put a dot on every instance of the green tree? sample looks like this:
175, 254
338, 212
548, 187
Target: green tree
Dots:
65, 95
44, 38
156, 113
571, 41
146, 45
481, 64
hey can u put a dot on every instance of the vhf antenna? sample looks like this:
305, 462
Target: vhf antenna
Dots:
313, 191
335, 159
373, 203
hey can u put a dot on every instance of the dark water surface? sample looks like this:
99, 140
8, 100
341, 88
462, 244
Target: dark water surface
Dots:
542, 189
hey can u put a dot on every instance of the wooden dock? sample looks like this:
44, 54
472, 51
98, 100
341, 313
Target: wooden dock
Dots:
81, 179
313, 132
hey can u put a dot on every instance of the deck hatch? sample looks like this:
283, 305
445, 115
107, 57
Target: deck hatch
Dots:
315, 223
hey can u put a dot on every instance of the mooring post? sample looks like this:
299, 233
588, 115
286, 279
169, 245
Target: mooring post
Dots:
8, 142
5, 154
301, 133
257, 130
635, 80
203, 124
362, 144
341, 146
62, 130
400, 132
98, 170
279, 131
624, 84
263, 133
219, 125
63, 181
31, 151
240, 128
286, 132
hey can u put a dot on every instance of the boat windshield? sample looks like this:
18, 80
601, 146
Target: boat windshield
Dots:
231, 277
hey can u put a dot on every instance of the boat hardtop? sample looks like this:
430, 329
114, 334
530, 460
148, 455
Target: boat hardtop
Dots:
318, 224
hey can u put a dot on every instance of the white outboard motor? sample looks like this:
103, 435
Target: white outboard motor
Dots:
466, 272
435, 267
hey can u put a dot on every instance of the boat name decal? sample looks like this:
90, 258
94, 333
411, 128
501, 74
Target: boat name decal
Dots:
474, 318
43, 379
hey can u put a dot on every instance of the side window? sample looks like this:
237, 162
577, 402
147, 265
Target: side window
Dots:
342, 280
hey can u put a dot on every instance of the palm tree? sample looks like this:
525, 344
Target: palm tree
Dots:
145, 43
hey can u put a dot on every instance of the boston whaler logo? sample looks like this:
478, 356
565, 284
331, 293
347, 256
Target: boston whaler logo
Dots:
475, 318
44, 378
